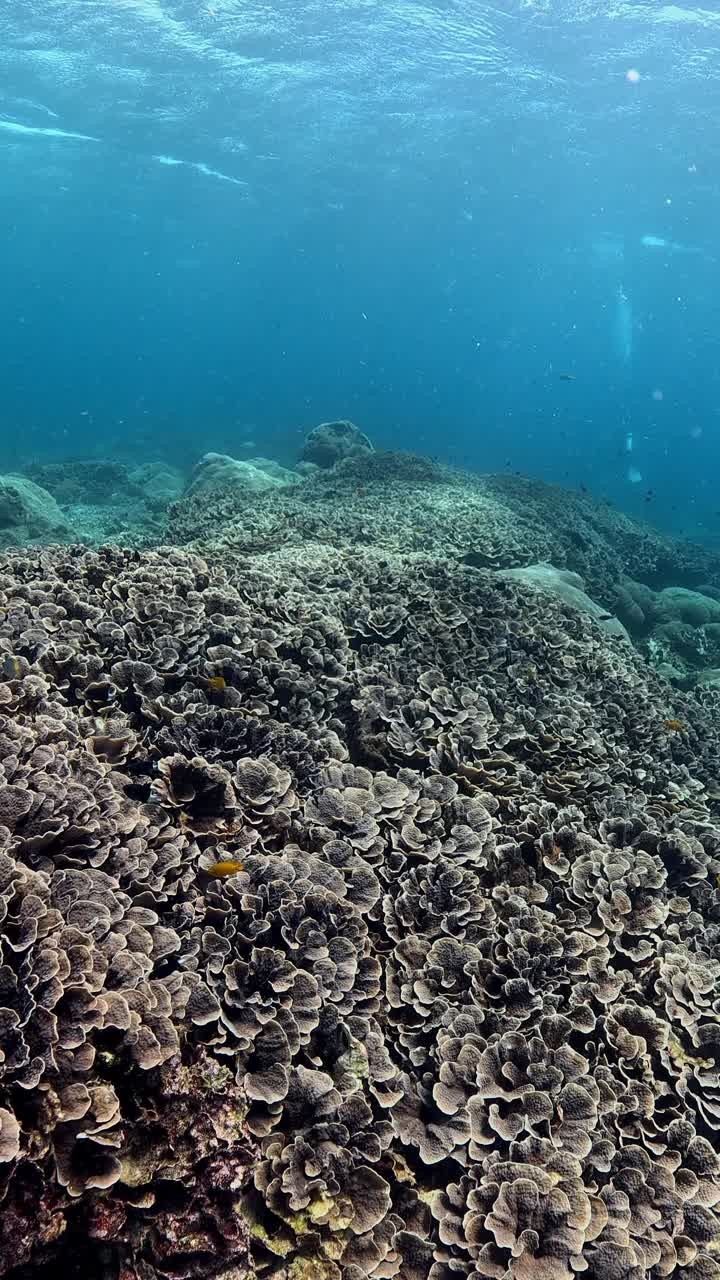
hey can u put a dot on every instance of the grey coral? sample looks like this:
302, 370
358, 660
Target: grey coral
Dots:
453, 1009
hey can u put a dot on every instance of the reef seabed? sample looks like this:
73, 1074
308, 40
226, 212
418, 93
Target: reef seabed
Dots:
359, 917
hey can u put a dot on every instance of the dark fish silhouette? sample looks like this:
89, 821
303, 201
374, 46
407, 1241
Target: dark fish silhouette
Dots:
567, 377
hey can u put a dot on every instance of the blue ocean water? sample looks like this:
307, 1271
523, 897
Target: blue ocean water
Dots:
225, 222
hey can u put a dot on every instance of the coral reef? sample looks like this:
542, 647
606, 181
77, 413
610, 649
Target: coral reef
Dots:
403, 504
29, 513
82, 480
102, 498
677, 629
570, 588
217, 471
158, 483
359, 917
333, 442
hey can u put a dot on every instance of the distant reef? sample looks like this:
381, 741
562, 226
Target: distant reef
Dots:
91, 501
664, 591
359, 885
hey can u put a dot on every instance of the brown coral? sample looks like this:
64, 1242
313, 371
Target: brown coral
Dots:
453, 1013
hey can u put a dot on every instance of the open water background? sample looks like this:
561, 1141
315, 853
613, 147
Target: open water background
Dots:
222, 223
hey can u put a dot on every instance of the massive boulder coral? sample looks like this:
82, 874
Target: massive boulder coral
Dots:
157, 482
334, 442
101, 498
358, 918
219, 471
28, 513
571, 588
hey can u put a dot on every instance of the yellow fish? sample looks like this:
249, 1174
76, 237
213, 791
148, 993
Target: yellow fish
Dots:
221, 870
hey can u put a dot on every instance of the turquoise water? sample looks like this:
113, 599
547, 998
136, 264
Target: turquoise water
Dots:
359, 816
223, 223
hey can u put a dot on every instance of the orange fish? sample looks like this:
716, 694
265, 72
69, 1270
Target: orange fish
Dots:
217, 682
221, 870
674, 726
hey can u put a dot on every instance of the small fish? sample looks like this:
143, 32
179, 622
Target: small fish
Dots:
11, 668
668, 246
140, 768
567, 377
221, 870
218, 683
674, 726
139, 791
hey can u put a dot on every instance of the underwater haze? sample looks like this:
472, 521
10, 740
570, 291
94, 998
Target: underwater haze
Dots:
488, 234
359, 640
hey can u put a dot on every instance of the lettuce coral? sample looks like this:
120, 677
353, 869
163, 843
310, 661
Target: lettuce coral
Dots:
454, 1013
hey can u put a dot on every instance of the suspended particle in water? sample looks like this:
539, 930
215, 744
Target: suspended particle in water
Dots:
695, 433
657, 394
632, 76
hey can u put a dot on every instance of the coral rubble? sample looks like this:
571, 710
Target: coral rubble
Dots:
359, 914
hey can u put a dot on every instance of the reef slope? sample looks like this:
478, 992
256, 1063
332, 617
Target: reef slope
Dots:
359, 918
402, 503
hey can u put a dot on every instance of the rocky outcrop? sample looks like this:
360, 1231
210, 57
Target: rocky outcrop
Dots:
333, 442
219, 472
29, 513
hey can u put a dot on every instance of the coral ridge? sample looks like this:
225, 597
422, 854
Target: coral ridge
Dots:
359, 917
